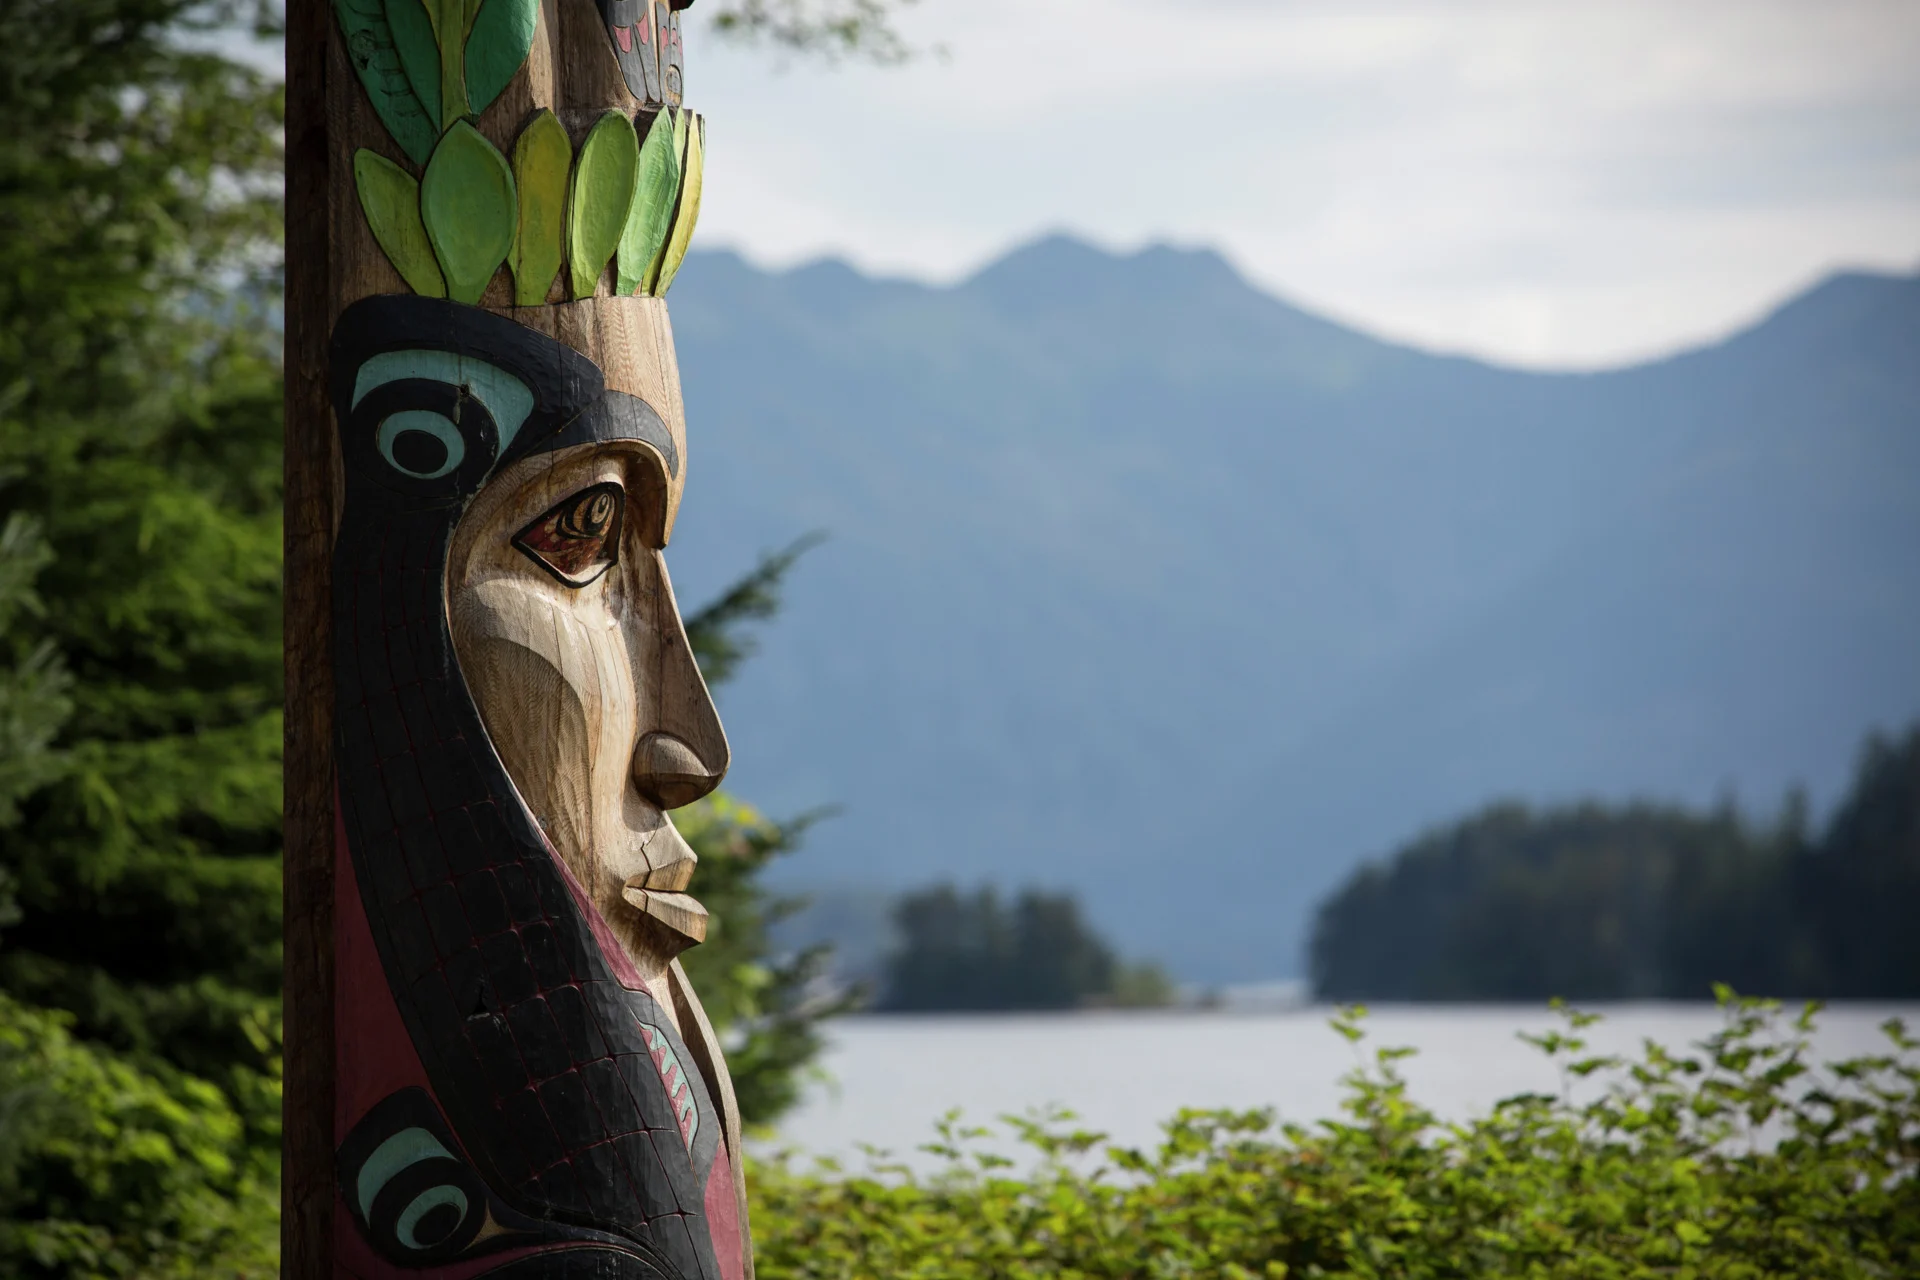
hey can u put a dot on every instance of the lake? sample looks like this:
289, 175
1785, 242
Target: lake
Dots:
887, 1079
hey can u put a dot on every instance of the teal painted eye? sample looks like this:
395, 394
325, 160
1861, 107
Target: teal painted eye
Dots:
407, 1147
419, 1202
422, 443
431, 1217
507, 398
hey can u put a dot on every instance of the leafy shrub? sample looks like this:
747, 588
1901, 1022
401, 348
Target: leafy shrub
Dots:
107, 1169
1739, 1161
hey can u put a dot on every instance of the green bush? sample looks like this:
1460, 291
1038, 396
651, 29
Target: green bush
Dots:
108, 1169
1741, 1160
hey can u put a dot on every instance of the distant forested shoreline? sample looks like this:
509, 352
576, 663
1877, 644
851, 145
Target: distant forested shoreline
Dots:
1642, 901
1585, 901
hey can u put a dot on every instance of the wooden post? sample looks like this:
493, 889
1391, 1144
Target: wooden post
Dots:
306, 1197
495, 1064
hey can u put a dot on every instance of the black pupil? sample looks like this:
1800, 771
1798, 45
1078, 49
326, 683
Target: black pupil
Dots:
589, 517
436, 1224
420, 452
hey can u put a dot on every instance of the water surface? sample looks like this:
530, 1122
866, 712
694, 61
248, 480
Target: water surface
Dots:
889, 1078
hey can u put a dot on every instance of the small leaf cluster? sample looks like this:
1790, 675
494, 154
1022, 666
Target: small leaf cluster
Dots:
430, 68
1737, 1160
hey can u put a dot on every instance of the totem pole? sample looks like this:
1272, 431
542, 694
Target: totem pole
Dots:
495, 1064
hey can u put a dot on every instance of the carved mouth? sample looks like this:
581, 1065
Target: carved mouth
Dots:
661, 894
680, 912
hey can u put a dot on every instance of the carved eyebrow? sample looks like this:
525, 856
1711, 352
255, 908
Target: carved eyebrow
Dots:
620, 416
506, 398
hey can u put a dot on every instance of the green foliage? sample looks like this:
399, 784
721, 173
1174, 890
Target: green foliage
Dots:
967, 951
139, 448
765, 1006
1740, 1161
110, 1170
1634, 902
33, 683
139, 427
716, 630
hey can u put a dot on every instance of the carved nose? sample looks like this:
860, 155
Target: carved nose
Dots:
667, 771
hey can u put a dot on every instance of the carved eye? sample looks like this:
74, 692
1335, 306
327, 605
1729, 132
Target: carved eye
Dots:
419, 1203
579, 539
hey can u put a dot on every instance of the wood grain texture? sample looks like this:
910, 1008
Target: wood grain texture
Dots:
632, 339
315, 55
579, 686
672, 62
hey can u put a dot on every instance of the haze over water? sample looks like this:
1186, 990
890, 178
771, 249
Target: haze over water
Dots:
891, 1078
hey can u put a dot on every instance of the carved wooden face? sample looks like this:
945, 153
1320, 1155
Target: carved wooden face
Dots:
516, 708
566, 629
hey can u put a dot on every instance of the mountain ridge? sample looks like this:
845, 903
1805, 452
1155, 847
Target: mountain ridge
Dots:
1135, 567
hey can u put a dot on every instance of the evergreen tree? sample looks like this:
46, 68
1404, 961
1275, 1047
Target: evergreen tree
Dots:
765, 1006
140, 429
140, 436
1861, 885
969, 952
1596, 902
140, 663
33, 683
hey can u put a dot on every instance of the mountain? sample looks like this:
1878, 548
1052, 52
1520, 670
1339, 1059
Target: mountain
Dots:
1142, 582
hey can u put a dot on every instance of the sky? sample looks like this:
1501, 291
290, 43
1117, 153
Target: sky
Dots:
1540, 183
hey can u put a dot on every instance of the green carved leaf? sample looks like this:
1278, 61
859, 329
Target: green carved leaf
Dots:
603, 180
689, 211
652, 214
496, 47
468, 202
677, 139
419, 51
541, 158
391, 200
376, 60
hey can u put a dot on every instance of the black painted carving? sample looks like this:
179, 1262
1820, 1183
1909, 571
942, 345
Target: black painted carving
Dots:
538, 1056
619, 416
